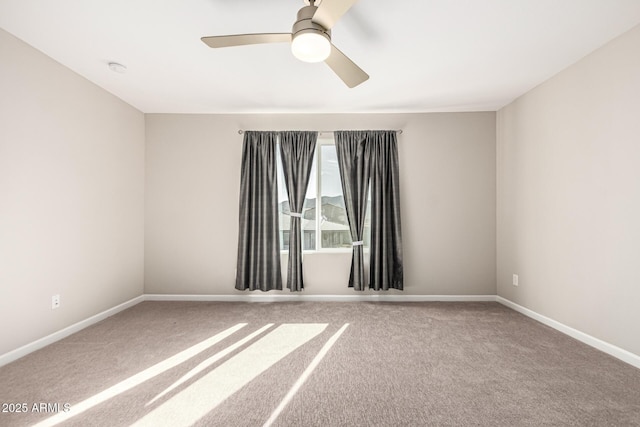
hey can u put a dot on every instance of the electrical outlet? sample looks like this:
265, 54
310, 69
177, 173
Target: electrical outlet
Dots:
515, 280
55, 302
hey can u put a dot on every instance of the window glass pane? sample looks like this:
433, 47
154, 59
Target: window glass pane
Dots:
334, 225
309, 211
283, 206
366, 234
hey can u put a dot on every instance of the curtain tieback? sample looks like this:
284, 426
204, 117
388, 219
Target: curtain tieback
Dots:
296, 214
357, 243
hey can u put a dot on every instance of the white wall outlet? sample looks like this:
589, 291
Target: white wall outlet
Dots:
515, 280
55, 302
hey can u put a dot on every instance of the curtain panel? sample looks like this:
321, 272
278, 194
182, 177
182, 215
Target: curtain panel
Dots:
385, 258
296, 151
371, 158
258, 263
354, 164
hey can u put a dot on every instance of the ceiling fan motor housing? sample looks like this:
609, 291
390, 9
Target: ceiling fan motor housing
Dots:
304, 24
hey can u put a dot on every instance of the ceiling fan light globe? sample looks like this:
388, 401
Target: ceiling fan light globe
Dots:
311, 47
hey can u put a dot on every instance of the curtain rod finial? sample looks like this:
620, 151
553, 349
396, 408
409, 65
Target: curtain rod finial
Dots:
240, 131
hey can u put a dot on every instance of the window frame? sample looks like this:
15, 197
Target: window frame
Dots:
324, 139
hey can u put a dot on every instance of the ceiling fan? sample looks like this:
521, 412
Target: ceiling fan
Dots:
310, 39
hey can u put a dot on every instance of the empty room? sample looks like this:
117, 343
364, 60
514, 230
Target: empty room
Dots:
320, 213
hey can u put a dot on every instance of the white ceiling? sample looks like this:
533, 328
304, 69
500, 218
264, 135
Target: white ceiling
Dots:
422, 55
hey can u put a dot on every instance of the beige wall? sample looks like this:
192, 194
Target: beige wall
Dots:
568, 170
71, 196
447, 173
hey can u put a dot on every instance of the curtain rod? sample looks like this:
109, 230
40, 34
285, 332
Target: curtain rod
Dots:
320, 132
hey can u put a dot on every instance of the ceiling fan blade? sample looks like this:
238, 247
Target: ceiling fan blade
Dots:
330, 11
346, 69
245, 39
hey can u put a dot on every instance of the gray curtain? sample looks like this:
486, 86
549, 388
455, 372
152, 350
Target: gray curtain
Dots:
385, 270
354, 165
365, 156
296, 150
258, 264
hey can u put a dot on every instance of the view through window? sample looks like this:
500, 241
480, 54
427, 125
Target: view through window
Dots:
323, 216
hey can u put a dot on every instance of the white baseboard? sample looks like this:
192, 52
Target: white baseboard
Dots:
319, 298
63, 333
610, 349
617, 352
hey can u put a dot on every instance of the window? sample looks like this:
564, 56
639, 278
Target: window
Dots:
324, 216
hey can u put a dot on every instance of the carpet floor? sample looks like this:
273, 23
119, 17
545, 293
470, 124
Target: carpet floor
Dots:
319, 364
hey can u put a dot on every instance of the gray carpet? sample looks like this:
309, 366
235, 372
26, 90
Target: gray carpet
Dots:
395, 364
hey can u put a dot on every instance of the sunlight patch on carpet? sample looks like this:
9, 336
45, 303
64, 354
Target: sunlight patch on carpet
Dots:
202, 396
139, 378
210, 361
306, 374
